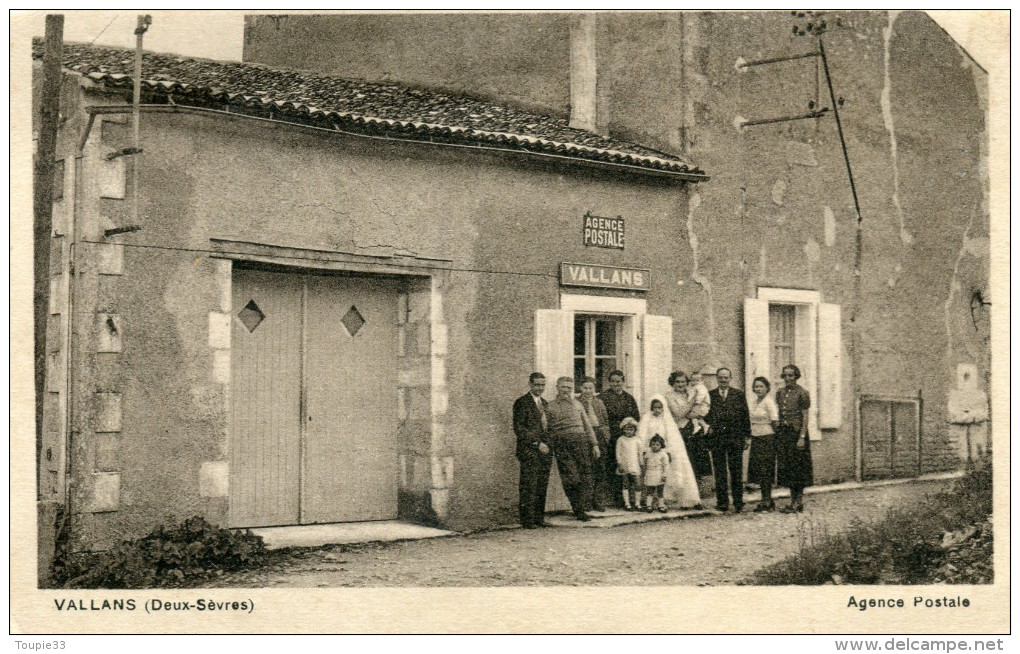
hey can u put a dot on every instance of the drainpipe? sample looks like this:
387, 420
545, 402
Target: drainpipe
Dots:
64, 449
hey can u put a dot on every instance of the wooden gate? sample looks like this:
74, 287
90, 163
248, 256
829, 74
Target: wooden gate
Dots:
890, 437
350, 453
313, 419
266, 397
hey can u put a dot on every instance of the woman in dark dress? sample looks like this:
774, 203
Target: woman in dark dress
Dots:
793, 446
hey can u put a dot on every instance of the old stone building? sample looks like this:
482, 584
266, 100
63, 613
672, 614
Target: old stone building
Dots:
313, 296
778, 218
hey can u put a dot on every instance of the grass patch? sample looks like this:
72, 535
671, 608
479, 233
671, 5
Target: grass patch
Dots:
945, 539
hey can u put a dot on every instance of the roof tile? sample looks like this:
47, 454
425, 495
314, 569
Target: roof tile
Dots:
356, 105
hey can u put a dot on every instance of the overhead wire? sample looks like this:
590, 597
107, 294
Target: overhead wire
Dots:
93, 41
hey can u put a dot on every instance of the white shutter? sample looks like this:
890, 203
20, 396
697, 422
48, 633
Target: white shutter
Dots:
806, 356
630, 349
554, 357
657, 354
757, 356
830, 367
554, 346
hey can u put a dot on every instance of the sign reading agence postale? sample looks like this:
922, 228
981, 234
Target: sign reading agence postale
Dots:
583, 274
602, 232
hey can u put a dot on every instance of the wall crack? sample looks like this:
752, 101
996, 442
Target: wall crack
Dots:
954, 285
699, 278
887, 118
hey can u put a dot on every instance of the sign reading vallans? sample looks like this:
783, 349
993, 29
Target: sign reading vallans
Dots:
602, 232
583, 274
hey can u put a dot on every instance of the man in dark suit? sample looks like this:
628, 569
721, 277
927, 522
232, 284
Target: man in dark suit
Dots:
533, 452
730, 434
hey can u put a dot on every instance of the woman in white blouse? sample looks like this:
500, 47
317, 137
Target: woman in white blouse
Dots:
761, 464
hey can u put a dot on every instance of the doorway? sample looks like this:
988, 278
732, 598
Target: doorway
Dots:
313, 413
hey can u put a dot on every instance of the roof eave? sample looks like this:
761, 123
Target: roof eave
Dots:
395, 135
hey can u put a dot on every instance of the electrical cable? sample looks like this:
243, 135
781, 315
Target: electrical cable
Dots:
93, 41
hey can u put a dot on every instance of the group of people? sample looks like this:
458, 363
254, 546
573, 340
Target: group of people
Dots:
607, 452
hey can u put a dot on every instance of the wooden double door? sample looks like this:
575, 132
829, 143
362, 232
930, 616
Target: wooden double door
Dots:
313, 428
890, 437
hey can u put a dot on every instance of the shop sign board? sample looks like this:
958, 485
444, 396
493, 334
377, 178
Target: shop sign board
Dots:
595, 276
601, 232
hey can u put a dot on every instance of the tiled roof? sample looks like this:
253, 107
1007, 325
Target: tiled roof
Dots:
365, 107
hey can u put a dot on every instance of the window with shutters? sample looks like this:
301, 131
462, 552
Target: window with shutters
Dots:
784, 326
592, 335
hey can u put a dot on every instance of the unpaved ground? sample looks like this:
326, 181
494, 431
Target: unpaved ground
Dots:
717, 550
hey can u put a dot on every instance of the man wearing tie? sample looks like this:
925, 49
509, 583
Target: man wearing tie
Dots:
533, 452
730, 434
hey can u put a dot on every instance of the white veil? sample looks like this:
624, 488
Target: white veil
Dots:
681, 484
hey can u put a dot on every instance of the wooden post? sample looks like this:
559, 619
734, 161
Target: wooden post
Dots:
49, 114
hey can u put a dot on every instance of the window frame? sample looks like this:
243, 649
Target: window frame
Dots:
805, 349
591, 355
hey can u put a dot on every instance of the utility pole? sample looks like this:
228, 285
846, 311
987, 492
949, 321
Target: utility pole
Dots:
144, 20
817, 26
49, 115
855, 328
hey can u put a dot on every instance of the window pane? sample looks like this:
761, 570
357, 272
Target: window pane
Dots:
781, 324
603, 366
579, 325
605, 337
782, 336
579, 372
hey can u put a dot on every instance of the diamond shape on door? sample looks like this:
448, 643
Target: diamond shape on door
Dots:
251, 316
352, 320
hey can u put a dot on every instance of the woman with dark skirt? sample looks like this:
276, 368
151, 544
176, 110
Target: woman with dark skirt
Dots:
761, 463
793, 447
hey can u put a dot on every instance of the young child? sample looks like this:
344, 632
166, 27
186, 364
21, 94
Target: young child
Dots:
656, 466
699, 392
628, 464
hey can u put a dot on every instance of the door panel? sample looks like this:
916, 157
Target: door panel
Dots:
265, 404
555, 335
757, 353
350, 453
905, 441
877, 463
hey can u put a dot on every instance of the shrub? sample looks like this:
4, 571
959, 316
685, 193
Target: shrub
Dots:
167, 556
943, 539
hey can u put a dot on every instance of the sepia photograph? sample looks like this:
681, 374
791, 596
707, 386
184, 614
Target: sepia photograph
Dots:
599, 308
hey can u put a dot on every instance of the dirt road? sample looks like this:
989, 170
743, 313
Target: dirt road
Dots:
717, 550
